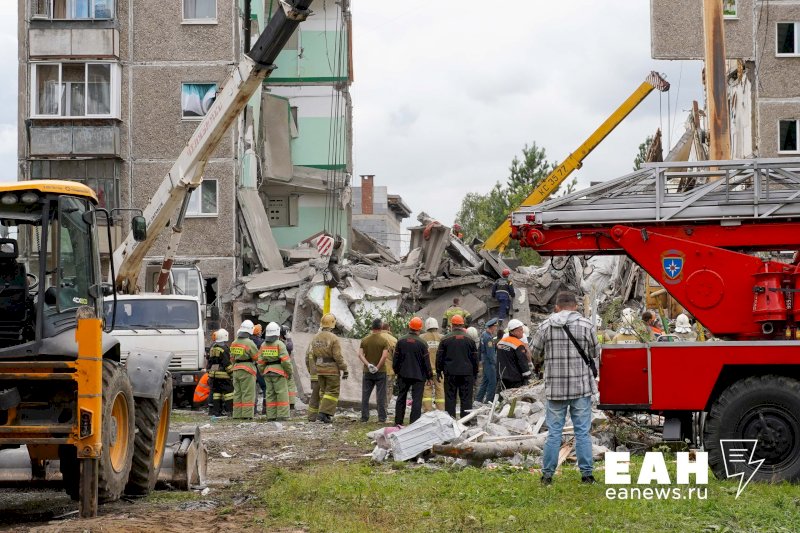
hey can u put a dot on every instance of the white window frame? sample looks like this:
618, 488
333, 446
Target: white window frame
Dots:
796, 52
190, 213
114, 94
796, 132
71, 8
735, 5
183, 117
184, 20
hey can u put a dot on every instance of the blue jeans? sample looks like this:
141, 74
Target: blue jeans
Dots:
580, 410
505, 305
488, 383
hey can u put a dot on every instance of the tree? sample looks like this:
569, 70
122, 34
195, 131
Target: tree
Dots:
641, 157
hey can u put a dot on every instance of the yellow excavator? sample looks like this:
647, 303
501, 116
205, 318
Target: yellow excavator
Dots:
502, 235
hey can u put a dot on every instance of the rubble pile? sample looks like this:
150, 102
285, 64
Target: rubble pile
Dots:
513, 428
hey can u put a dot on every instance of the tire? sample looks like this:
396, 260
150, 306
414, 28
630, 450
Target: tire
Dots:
766, 408
152, 428
118, 432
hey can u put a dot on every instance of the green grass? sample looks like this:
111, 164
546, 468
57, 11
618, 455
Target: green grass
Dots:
356, 497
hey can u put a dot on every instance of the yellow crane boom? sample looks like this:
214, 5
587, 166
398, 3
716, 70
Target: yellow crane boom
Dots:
502, 235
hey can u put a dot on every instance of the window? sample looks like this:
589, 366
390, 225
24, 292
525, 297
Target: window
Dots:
787, 135
200, 11
73, 9
196, 99
101, 175
75, 90
786, 39
730, 9
203, 201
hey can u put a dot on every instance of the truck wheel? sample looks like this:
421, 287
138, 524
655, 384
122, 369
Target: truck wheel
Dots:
118, 432
766, 408
152, 428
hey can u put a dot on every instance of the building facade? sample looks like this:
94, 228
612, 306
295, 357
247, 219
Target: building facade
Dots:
380, 215
762, 40
112, 90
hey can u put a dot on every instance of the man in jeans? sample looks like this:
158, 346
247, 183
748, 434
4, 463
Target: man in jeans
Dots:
373, 353
569, 383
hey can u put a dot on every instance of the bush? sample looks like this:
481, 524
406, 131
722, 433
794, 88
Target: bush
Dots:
398, 322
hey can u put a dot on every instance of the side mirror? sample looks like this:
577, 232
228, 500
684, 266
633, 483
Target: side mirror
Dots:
99, 291
50, 296
139, 228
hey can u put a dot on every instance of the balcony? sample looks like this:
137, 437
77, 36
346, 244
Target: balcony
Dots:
73, 43
74, 141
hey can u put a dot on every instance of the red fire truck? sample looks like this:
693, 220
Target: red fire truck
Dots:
711, 233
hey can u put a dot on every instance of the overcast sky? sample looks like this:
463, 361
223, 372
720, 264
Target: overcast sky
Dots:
446, 92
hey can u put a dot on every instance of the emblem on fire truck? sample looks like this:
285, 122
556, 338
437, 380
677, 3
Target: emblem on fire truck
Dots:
672, 264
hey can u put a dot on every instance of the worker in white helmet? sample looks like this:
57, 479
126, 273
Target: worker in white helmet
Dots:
683, 329
243, 356
627, 328
512, 357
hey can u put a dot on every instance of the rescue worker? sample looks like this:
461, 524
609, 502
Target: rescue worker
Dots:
472, 331
627, 330
457, 363
503, 292
373, 352
257, 340
313, 401
649, 318
512, 357
243, 356
412, 365
390, 377
219, 370
684, 330
327, 353
488, 354
276, 367
452, 311
287, 340
433, 396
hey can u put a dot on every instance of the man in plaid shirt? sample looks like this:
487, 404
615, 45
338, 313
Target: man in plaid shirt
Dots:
569, 383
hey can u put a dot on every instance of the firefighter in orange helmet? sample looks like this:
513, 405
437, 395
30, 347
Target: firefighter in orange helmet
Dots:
412, 366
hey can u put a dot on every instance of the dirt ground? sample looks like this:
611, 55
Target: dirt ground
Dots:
236, 452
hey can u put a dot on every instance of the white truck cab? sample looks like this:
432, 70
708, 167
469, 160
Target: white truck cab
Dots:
169, 323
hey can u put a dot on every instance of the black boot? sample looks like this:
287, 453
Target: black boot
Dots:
324, 418
216, 407
228, 406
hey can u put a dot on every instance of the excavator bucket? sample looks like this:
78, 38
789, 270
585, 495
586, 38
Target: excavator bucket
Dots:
185, 461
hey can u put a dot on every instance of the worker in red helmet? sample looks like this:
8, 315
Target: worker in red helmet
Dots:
503, 292
412, 366
457, 363
457, 231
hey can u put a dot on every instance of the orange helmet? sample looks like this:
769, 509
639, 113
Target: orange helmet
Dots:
457, 320
257, 329
415, 324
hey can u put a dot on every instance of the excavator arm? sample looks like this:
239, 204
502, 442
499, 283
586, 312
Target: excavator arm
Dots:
502, 235
172, 196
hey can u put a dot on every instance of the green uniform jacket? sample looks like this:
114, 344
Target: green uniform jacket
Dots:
243, 350
273, 357
326, 351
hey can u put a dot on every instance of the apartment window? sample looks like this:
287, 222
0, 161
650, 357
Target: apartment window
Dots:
200, 11
786, 36
102, 175
787, 136
730, 9
203, 202
75, 90
73, 9
196, 99
282, 211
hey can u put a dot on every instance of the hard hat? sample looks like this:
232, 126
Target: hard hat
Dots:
457, 320
247, 326
682, 324
284, 331
328, 321
257, 329
456, 226
272, 330
415, 324
473, 333
431, 323
514, 324
221, 335
506, 272
628, 315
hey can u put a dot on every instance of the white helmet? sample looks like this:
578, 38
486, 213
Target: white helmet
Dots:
247, 326
272, 330
221, 335
431, 323
514, 324
473, 333
682, 324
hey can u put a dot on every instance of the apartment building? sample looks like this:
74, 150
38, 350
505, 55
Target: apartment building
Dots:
762, 40
380, 215
111, 91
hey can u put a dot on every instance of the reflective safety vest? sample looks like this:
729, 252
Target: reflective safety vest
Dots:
274, 359
202, 391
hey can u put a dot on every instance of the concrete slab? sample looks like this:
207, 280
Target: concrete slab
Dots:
344, 318
470, 302
393, 280
522, 309
257, 222
279, 279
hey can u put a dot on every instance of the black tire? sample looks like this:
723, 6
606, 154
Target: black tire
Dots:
152, 421
70, 470
766, 408
118, 435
